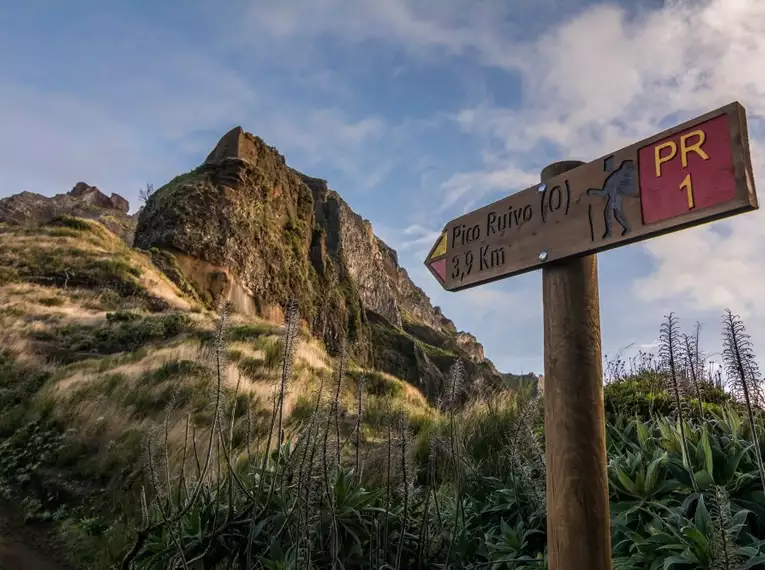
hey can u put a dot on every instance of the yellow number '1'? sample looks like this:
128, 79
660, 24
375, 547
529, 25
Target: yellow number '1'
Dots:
687, 185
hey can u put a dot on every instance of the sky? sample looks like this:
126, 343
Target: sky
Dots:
415, 111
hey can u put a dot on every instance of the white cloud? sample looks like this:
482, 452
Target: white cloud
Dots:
589, 92
328, 137
414, 241
705, 271
419, 26
598, 82
474, 186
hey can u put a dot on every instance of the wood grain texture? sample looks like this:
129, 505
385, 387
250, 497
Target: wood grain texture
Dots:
609, 202
578, 521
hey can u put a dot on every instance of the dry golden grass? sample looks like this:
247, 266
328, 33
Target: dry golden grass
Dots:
155, 359
247, 350
72, 392
82, 378
80, 248
99, 397
32, 298
312, 354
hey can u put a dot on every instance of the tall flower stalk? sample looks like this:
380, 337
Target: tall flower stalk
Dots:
744, 377
669, 352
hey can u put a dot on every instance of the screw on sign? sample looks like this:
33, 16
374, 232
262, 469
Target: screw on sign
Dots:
697, 172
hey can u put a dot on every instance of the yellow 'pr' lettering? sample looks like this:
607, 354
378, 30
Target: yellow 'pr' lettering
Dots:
695, 147
661, 159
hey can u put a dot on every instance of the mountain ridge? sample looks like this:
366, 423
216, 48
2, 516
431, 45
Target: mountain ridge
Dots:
245, 227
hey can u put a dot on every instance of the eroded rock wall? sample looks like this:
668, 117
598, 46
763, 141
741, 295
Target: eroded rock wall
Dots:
275, 233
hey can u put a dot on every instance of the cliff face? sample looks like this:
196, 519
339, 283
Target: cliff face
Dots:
84, 201
261, 233
351, 238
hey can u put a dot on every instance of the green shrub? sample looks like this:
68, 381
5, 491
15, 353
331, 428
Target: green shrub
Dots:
78, 224
250, 332
643, 396
9, 275
122, 332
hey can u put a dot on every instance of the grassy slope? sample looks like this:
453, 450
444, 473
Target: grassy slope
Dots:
96, 344
88, 374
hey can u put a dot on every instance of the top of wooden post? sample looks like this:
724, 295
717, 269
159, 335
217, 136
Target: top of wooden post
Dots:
556, 168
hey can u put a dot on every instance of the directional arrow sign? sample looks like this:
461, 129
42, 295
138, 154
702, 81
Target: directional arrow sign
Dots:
694, 173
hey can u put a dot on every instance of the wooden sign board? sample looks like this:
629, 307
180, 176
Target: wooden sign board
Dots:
694, 173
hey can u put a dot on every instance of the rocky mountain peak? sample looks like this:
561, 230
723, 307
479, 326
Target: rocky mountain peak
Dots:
240, 144
247, 227
91, 194
83, 200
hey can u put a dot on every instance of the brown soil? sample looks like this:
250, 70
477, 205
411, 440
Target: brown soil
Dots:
26, 546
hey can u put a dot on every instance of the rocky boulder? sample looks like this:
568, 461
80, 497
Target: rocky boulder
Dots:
275, 234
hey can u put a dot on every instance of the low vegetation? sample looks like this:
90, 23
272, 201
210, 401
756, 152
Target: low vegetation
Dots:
151, 433
465, 488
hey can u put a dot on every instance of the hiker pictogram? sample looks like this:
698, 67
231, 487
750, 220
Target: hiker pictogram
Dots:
620, 182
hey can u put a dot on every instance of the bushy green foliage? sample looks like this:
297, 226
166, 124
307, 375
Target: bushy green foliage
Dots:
498, 521
375, 485
467, 490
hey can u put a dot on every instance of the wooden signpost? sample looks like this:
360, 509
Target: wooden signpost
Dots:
697, 172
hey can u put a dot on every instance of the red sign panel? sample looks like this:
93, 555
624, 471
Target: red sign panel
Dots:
690, 170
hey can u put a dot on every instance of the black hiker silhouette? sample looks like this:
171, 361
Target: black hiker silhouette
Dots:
621, 182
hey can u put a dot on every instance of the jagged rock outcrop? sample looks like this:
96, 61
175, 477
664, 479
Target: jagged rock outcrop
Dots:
91, 195
84, 201
275, 234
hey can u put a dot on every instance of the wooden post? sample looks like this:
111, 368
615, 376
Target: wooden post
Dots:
578, 521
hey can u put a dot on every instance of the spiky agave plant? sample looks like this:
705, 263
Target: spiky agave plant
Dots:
291, 324
670, 354
157, 458
700, 355
744, 378
360, 387
308, 488
404, 461
390, 445
330, 464
526, 455
336, 399
722, 544
690, 350
456, 378
219, 357
429, 484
